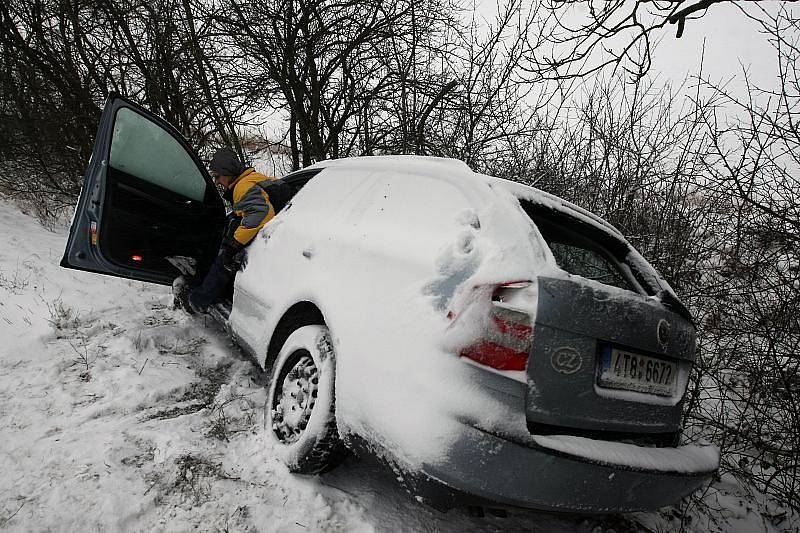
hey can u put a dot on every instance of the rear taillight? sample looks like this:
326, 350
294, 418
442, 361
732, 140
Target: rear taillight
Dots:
507, 335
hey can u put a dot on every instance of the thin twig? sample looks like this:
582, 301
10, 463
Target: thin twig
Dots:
15, 512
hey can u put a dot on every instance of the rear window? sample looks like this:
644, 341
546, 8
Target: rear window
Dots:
582, 249
581, 256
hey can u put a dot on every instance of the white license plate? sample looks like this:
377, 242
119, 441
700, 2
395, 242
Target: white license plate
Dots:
626, 370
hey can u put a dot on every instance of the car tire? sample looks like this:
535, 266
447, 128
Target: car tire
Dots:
300, 415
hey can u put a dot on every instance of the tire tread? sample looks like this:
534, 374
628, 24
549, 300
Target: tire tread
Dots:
328, 451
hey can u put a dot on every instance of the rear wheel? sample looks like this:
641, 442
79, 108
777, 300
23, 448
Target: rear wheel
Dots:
300, 407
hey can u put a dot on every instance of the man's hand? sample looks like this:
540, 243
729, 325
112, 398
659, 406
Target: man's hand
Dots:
232, 255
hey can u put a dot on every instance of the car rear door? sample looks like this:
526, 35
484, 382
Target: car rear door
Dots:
146, 197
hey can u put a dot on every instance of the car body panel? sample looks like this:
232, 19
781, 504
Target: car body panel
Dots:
356, 225
524, 475
580, 317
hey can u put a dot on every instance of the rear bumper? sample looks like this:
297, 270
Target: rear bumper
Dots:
559, 477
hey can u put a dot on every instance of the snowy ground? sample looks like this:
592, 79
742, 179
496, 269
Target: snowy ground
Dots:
119, 413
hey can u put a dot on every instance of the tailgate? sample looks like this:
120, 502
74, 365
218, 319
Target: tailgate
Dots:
577, 325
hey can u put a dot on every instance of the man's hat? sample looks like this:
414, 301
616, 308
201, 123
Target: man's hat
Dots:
225, 163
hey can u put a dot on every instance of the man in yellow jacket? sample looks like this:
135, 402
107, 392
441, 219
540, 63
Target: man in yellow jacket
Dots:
244, 188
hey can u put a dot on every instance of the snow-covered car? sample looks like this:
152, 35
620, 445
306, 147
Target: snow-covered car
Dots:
491, 342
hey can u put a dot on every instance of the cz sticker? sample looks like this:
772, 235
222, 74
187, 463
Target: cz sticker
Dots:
566, 360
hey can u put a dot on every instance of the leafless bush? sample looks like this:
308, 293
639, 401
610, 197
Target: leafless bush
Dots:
748, 296
83, 360
60, 60
14, 282
62, 316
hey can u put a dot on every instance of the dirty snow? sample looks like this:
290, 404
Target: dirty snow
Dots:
119, 413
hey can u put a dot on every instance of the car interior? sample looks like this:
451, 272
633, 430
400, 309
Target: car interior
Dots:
143, 223
158, 204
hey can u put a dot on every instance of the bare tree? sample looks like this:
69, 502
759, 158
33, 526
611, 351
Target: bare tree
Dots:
60, 60
578, 38
326, 58
488, 102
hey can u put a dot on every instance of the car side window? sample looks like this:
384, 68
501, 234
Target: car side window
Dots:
143, 149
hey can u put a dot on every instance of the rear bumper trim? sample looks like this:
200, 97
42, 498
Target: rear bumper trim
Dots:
541, 477
691, 460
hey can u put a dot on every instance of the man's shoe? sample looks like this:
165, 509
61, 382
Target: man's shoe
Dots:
180, 294
194, 308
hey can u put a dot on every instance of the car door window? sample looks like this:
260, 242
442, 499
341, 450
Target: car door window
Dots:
141, 148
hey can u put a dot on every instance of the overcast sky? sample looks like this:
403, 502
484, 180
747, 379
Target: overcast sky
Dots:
732, 41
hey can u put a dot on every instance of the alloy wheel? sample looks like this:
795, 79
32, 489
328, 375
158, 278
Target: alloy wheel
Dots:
295, 396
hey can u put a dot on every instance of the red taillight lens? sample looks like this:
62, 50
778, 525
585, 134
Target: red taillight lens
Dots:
516, 329
136, 258
495, 355
509, 334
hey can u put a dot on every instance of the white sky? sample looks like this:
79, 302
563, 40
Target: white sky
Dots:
732, 41
730, 38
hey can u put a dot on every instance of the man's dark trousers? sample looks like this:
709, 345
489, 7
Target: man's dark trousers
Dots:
214, 283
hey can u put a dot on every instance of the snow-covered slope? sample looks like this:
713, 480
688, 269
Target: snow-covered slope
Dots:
119, 413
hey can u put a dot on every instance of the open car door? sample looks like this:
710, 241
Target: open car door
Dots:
146, 197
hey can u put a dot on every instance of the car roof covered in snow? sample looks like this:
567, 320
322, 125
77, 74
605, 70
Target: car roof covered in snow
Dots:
431, 166
411, 163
